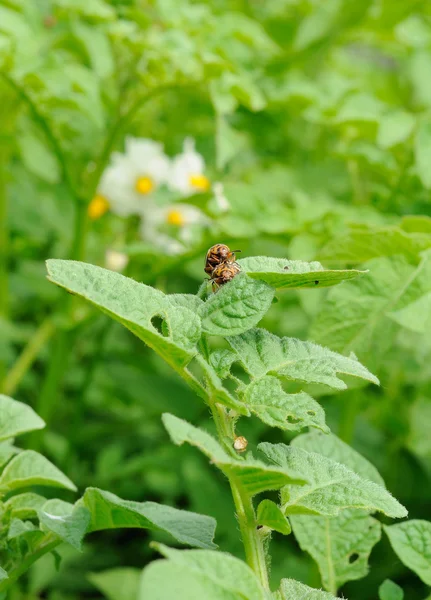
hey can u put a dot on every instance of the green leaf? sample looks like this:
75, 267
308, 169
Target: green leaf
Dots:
24, 506
332, 487
340, 545
117, 584
415, 316
108, 511
3, 574
423, 152
31, 468
134, 305
221, 361
68, 522
97, 47
394, 128
360, 244
294, 590
237, 306
281, 273
411, 541
332, 447
270, 515
93, 9
356, 316
292, 412
251, 475
198, 574
390, 591
261, 352
18, 528
17, 418
7, 450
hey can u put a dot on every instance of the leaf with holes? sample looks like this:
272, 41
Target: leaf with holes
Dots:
192, 574
31, 468
261, 353
411, 541
270, 515
332, 487
108, 511
134, 305
17, 418
236, 307
281, 273
340, 545
250, 475
295, 590
267, 400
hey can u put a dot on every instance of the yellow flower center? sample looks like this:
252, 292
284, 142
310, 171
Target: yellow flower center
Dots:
175, 217
144, 185
98, 207
200, 182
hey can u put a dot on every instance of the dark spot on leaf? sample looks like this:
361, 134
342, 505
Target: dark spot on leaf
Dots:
316, 282
286, 268
353, 557
311, 413
159, 323
292, 419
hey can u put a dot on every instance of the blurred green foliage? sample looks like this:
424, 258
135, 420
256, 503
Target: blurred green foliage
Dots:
316, 117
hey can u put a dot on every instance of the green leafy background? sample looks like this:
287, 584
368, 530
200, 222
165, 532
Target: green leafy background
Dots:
317, 119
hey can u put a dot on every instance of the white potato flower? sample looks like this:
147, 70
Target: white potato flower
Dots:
131, 178
116, 261
181, 218
187, 171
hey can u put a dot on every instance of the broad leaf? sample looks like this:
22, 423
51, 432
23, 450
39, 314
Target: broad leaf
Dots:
281, 273
390, 591
134, 305
236, 307
3, 574
68, 522
332, 487
395, 128
340, 545
261, 352
198, 574
360, 244
251, 475
415, 316
7, 450
117, 584
24, 506
270, 515
411, 541
17, 418
31, 468
332, 447
266, 399
356, 316
110, 512
294, 590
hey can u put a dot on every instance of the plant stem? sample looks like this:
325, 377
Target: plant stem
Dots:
27, 357
253, 545
48, 545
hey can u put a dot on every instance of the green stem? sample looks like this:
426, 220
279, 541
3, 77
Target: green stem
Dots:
49, 544
4, 239
27, 357
253, 544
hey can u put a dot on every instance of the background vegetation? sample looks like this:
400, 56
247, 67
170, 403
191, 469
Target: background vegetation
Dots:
316, 118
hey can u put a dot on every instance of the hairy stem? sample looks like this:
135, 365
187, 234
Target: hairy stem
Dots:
27, 357
253, 544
